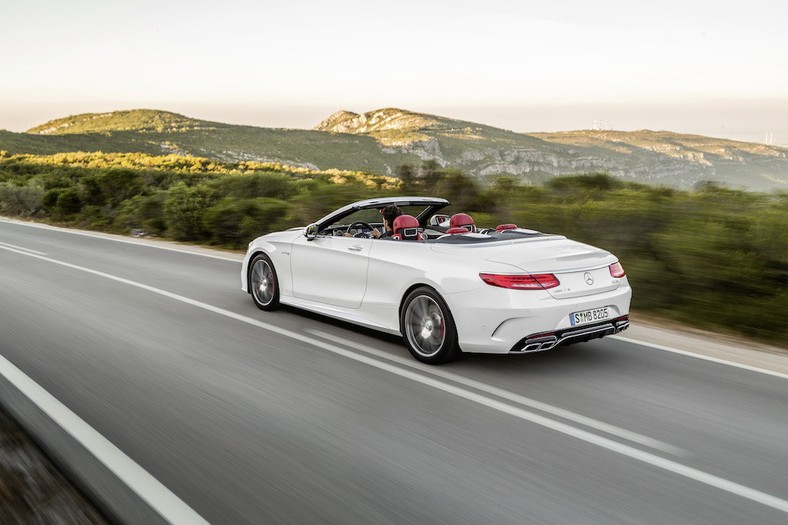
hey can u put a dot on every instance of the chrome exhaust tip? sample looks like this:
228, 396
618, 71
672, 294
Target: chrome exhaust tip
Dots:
537, 344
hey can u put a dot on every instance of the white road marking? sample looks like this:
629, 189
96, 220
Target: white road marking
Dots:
511, 396
9, 245
704, 357
583, 435
159, 497
116, 239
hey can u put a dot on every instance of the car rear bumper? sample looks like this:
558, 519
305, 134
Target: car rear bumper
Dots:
546, 341
505, 321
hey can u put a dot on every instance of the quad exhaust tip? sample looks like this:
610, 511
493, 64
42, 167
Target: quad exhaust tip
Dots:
547, 341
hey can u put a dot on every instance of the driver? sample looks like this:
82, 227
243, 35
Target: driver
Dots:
390, 212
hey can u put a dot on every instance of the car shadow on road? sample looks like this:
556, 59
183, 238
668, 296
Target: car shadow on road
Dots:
564, 361
561, 361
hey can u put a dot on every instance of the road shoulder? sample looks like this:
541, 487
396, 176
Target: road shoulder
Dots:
729, 348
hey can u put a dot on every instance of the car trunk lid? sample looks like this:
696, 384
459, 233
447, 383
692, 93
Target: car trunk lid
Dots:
581, 269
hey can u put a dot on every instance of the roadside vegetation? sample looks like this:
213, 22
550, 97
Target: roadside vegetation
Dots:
713, 257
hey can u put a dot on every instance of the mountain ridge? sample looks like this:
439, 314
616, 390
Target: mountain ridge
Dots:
344, 121
142, 120
379, 141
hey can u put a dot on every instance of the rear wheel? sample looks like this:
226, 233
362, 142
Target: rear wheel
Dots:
263, 283
428, 327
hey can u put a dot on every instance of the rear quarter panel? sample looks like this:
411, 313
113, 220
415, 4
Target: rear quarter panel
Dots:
479, 309
395, 267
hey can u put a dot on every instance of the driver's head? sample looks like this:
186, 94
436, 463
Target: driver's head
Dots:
390, 212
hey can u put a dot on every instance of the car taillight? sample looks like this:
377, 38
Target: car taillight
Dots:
537, 281
616, 270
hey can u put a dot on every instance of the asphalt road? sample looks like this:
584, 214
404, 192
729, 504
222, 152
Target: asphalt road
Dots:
287, 417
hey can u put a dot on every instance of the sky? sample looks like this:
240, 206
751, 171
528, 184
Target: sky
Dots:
694, 66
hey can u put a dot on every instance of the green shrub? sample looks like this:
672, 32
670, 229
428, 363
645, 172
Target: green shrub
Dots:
184, 207
275, 185
68, 202
49, 199
24, 201
93, 217
235, 222
117, 185
142, 212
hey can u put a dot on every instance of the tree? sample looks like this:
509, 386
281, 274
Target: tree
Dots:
120, 184
183, 211
236, 222
407, 175
461, 189
68, 202
430, 175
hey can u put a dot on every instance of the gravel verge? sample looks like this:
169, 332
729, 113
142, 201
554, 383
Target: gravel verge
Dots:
32, 489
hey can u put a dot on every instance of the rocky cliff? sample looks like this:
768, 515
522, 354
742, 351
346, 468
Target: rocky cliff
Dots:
653, 157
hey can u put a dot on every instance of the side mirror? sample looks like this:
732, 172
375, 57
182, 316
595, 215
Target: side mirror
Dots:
310, 232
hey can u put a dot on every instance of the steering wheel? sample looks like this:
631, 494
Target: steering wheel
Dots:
366, 225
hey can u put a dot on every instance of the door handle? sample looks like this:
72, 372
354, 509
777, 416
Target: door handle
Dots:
355, 248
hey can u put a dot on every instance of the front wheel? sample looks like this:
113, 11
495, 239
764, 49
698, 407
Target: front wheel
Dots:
428, 327
263, 283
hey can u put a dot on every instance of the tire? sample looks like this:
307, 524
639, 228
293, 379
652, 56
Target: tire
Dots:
428, 328
263, 283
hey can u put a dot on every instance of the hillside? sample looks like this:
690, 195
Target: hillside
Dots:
650, 157
140, 120
379, 141
683, 157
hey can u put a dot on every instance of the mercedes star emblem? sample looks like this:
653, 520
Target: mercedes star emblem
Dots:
589, 278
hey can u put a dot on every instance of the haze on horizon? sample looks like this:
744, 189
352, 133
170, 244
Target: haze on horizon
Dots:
704, 67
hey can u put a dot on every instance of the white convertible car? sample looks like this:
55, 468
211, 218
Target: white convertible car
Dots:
445, 286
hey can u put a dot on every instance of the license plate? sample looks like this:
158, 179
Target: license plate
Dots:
589, 316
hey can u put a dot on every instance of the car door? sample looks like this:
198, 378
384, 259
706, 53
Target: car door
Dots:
330, 270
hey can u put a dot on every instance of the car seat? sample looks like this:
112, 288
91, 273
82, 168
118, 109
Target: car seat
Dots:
406, 228
438, 220
462, 220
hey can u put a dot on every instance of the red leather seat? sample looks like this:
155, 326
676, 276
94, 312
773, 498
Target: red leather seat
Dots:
502, 227
406, 228
453, 231
462, 220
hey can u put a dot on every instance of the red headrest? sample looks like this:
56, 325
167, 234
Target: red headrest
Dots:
405, 221
462, 220
452, 231
406, 227
502, 227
